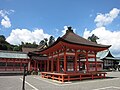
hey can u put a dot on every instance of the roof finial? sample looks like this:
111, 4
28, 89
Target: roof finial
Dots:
69, 29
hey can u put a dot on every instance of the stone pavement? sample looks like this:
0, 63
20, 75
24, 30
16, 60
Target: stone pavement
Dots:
34, 82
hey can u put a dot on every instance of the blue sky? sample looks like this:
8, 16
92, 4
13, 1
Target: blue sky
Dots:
41, 18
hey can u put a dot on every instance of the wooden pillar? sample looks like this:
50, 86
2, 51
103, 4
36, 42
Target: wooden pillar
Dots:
75, 61
40, 65
95, 63
35, 65
52, 65
65, 61
58, 63
47, 65
79, 64
87, 63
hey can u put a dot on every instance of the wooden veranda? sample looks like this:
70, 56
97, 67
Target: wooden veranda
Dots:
73, 76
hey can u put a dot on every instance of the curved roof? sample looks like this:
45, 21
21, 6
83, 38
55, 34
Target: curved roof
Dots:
71, 38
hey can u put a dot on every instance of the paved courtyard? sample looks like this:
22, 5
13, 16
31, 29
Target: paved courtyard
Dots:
34, 82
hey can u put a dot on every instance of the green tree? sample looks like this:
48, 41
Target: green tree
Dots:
47, 42
4, 45
29, 45
51, 40
2, 38
16, 48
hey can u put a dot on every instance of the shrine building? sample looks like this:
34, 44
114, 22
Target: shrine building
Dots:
13, 61
71, 56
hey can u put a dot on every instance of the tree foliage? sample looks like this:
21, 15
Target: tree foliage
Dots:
2, 38
4, 45
51, 40
47, 42
29, 45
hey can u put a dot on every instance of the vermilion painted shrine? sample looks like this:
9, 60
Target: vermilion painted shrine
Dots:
70, 57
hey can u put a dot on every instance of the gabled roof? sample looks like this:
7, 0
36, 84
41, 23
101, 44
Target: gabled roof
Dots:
27, 50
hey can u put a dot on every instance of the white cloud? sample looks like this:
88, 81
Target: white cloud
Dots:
5, 22
105, 19
106, 37
25, 35
64, 31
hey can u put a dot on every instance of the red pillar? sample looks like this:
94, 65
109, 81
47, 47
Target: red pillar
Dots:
58, 63
75, 60
79, 64
95, 63
35, 65
47, 65
65, 61
87, 63
52, 66
40, 65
